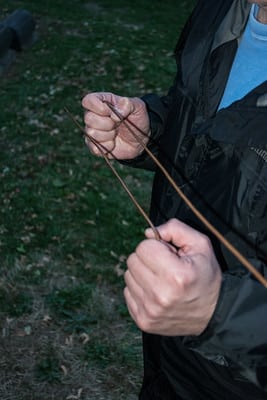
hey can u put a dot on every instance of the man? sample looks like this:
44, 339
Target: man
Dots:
202, 313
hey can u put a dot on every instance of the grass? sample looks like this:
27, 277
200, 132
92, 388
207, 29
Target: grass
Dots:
66, 227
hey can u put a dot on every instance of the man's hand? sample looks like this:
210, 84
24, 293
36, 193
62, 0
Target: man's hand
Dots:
106, 127
173, 293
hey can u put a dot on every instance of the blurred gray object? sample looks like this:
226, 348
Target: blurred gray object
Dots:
17, 32
22, 25
6, 37
7, 55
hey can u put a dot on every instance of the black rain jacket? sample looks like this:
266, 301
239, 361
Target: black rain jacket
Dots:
219, 159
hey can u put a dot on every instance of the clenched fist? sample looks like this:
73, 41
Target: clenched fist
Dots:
106, 127
173, 293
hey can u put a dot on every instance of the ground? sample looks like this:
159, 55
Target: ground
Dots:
66, 227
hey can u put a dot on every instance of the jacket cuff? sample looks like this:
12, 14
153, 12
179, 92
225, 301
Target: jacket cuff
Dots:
219, 313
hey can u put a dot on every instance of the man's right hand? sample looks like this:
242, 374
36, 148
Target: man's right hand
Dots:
106, 127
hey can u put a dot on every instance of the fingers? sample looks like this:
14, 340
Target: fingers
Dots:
105, 138
97, 103
94, 102
101, 135
141, 285
101, 124
155, 255
98, 148
136, 273
181, 235
98, 123
107, 128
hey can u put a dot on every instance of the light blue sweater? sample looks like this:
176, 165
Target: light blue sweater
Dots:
249, 68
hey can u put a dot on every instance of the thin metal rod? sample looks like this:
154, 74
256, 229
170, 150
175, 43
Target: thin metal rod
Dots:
198, 214
104, 151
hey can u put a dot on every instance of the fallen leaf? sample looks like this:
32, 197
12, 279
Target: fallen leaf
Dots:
119, 271
75, 397
84, 338
64, 369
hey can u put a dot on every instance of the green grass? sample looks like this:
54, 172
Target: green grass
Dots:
66, 227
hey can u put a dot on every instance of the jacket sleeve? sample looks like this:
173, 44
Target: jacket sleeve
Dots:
238, 329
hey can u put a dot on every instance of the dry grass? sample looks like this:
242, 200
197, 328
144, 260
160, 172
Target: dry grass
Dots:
41, 359
65, 226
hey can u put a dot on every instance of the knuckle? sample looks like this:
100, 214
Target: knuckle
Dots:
131, 262
86, 100
163, 301
130, 258
126, 278
93, 149
172, 223
189, 279
142, 247
150, 312
88, 140
186, 279
87, 118
157, 306
91, 133
128, 105
205, 241
143, 323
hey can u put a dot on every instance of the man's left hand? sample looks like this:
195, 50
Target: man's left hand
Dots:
173, 293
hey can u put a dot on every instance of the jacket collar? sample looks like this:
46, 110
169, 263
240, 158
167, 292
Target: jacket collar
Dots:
233, 24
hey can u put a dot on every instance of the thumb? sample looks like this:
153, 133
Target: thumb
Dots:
176, 232
120, 109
